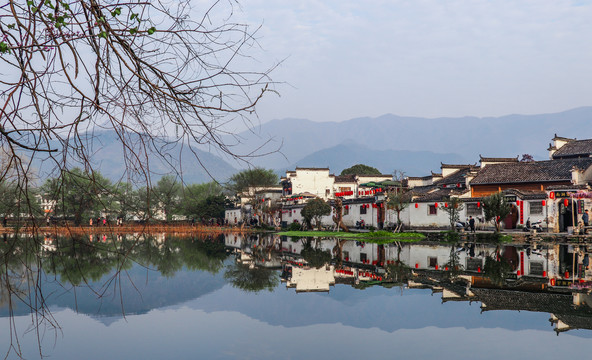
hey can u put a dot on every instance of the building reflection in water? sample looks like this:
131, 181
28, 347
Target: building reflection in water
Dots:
537, 277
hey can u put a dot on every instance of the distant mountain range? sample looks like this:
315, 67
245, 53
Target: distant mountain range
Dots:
416, 145
413, 145
345, 155
107, 156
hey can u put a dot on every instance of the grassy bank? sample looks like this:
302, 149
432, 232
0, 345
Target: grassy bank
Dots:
379, 237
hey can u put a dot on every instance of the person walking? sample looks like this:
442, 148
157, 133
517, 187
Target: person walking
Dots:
585, 218
472, 224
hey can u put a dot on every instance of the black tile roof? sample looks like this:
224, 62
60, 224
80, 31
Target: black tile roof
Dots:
345, 178
530, 172
494, 159
574, 148
439, 194
454, 178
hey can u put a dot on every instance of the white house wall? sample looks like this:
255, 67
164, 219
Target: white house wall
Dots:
316, 182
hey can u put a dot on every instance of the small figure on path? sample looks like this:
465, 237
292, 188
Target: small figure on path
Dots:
586, 218
472, 224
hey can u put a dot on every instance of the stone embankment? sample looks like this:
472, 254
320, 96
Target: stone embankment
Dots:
126, 229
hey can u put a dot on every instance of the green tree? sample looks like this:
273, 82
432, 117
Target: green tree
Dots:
452, 206
496, 208
194, 198
167, 195
79, 194
247, 182
126, 200
16, 201
213, 207
315, 209
398, 201
360, 169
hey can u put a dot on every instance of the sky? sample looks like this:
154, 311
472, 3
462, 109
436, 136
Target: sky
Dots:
342, 59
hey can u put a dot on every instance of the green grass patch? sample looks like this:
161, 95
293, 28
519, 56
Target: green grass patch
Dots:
378, 237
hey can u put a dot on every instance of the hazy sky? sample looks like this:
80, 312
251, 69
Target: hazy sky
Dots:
432, 58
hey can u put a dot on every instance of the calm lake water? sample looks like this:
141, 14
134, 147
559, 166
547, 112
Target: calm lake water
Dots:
229, 297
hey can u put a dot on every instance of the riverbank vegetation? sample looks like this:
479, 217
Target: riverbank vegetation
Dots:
379, 237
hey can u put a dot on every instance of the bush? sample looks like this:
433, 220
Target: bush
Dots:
450, 236
294, 226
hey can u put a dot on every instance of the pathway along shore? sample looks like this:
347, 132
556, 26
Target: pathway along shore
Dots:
184, 229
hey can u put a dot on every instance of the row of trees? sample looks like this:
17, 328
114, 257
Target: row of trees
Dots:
81, 195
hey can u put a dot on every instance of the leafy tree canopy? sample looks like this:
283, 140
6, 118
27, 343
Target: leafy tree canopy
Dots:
496, 208
248, 181
315, 209
79, 193
453, 206
360, 169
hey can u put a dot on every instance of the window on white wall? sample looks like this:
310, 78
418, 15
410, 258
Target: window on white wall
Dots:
362, 210
432, 210
432, 261
474, 210
536, 207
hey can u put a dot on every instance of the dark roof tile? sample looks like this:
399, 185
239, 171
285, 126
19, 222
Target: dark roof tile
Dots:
574, 148
530, 172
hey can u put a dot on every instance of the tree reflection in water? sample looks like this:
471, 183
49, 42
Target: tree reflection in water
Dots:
33, 267
100, 271
249, 277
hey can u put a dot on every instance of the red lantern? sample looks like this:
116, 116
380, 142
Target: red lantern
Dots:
565, 202
478, 204
416, 205
552, 282
479, 269
544, 203
436, 204
552, 195
445, 204
544, 274
518, 202
518, 273
416, 265
566, 275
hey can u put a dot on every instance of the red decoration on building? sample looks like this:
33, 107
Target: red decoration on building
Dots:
436, 204
416, 205
478, 204
552, 195
544, 203
565, 202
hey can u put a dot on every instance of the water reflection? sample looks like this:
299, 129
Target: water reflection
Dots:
549, 278
116, 276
